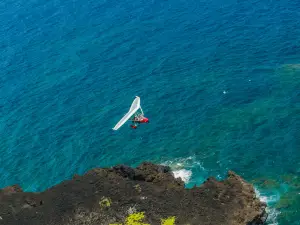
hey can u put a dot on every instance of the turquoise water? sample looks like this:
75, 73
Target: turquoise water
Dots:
219, 81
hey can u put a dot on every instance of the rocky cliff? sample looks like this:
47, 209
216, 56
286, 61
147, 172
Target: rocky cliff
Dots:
148, 194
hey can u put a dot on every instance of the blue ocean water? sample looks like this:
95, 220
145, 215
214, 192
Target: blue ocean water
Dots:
219, 81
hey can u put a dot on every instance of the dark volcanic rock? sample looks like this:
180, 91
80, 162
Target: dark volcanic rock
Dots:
109, 196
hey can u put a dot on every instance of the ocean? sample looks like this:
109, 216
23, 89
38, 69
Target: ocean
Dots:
218, 80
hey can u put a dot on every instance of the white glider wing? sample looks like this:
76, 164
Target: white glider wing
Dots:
136, 104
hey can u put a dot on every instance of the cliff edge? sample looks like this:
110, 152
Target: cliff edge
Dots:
148, 194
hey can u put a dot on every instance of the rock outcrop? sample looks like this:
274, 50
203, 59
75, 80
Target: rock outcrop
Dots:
148, 194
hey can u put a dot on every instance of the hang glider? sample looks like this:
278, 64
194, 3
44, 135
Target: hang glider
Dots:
135, 114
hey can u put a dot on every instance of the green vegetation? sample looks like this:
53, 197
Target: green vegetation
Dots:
105, 202
168, 221
137, 219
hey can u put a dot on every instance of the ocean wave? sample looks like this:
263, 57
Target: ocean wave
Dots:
183, 162
182, 167
270, 199
184, 174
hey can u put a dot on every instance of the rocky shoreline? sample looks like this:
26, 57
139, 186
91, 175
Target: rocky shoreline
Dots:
148, 194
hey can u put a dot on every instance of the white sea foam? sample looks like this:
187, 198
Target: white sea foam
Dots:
270, 200
183, 163
184, 174
182, 167
272, 218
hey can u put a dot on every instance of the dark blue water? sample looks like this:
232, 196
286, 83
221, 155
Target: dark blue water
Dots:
219, 80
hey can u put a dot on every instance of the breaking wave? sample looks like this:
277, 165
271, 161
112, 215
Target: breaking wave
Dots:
184, 174
182, 167
270, 199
